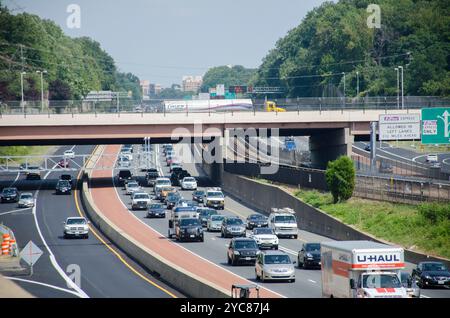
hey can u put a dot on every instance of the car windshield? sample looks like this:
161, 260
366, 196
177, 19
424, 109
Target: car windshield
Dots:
217, 218
285, 219
207, 213
173, 196
163, 182
9, 191
189, 180
261, 231
381, 281
156, 206
199, 193
434, 267
234, 222
141, 196
312, 247
75, 221
277, 259
26, 196
257, 217
246, 244
63, 183
189, 222
132, 185
215, 194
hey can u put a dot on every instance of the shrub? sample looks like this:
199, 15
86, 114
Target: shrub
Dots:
434, 212
340, 176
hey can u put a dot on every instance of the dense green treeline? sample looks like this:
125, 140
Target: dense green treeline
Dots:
75, 66
227, 75
335, 38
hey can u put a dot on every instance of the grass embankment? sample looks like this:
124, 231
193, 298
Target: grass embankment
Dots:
424, 228
25, 151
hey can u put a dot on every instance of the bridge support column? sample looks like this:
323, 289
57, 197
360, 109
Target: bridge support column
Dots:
329, 145
213, 160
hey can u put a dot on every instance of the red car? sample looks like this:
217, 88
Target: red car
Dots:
63, 163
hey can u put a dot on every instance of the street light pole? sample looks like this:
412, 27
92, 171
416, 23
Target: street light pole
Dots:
343, 73
357, 83
21, 87
42, 88
398, 88
403, 99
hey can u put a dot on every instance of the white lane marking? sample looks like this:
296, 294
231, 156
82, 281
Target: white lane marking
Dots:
43, 284
213, 238
80, 292
14, 211
189, 251
312, 281
423, 296
15, 180
287, 250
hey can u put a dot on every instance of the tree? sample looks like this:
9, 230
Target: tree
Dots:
340, 176
235, 75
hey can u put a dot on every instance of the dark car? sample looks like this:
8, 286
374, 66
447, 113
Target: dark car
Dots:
309, 255
151, 176
189, 229
256, 220
33, 173
431, 274
242, 250
172, 199
386, 167
198, 196
124, 176
367, 147
232, 226
204, 214
156, 210
63, 187
66, 177
10, 195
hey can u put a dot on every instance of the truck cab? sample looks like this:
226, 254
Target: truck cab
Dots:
283, 222
270, 106
178, 213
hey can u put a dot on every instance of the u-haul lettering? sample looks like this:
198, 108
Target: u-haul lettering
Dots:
377, 258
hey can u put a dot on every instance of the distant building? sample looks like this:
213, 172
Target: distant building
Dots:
191, 83
151, 90
145, 87
158, 88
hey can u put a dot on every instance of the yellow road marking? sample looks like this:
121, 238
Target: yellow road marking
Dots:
115, 252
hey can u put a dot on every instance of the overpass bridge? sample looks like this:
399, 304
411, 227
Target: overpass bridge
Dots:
331, 132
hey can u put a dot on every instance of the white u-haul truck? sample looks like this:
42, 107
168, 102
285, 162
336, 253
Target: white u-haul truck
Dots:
361, 269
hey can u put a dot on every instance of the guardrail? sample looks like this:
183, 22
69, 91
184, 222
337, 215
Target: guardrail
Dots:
320, 104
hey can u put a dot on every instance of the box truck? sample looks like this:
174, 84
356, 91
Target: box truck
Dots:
361, 269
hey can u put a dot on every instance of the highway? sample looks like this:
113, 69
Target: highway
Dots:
308, 281
104, 270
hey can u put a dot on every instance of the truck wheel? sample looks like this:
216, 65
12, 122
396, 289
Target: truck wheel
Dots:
228, 260
221, 234
295, 236
292, 280
262, 277
256, 275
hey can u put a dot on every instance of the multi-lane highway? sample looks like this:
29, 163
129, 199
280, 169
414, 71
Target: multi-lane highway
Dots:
103, 270
308, 281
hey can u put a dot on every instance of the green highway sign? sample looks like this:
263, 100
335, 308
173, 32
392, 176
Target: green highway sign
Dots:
435, 125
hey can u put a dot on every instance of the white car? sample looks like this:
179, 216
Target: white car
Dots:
432, 158
274, 265
76, 227
140, 200
124, 162
188, 183
131, 187
264, 237
69, 154
26, 200
161, 183
127, 154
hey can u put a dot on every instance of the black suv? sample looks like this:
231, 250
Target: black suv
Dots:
309, 255
66, 177
63, 187
242, 250
9, 195
124, 176
198, 196
189, 229
151, 176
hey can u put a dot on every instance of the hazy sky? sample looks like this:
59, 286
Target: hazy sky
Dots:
162, 40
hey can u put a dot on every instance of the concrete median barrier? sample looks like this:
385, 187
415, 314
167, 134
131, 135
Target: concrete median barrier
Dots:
189, 284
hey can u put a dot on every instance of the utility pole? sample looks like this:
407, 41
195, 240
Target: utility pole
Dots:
398, 88
42, 88
343, 73
403, 98
21, 86
357, 84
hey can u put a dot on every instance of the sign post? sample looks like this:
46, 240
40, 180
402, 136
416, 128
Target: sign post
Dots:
435, 125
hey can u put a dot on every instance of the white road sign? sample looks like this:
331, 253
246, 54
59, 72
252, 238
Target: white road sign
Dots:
399, 127
30, 253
